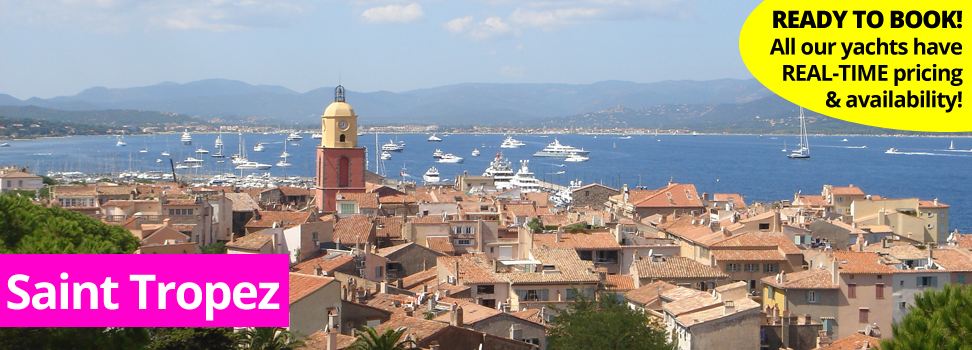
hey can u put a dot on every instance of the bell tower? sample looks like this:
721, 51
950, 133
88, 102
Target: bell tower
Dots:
340, 162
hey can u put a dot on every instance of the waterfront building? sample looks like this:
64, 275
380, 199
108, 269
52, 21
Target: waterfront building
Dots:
18, 180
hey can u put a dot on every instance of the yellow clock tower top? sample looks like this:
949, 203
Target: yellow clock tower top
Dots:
339, 124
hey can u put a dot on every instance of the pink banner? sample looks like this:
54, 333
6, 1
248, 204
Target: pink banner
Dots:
65, 290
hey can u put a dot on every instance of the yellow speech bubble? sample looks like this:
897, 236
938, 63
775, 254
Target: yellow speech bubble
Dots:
890, 64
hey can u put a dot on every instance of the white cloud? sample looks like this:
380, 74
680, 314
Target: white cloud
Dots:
121, 15
458, 25
393, 14
554, 13
510, 71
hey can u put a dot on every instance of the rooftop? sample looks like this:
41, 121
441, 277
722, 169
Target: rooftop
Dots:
303, 285
807, 279
676, 267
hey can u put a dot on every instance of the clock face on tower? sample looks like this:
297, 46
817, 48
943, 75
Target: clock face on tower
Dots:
343, 125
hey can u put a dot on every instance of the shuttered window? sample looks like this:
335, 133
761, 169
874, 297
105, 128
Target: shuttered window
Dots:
851, 291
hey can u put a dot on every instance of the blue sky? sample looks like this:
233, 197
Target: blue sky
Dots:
60, 47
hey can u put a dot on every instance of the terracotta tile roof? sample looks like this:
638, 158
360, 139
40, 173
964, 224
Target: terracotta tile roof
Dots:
931, 204
242, 202
364, 200
806, 279
329, 262
417, 327
473, 269
121, 204
649, 292
554, 220
570, 268
542, 199
850, 190
318, 341
532, 315
956, 260
18, 175
353, 229
856, 341
814, 201
441, 244
296, 191
737, 199
676, 267
398, 199
899, 251
964, 240
619, 283
471, 312
711, 314
251, 241
281, 218
594, 184
691, 304
116, 190
748, 255
183, 227
393, 250
521, 210
180, 203
428, 219
390, 227
759, 240
680, 293
387, 302
673, 196
576, 241
861, 263
419, 278
74, 191
303, 285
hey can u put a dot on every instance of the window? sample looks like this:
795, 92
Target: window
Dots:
862, 318
880, 277
180, 211
532, 295
378, 271
463, 242
851, 277
314, 236
928, 281
771, 268
764, 226
960, 278
903, 305
732, 267
458, 230
751, 267
812, 297
828, 324
347, 208
485, 289
851, 291
342, 138
392, 267
587, 193
571, 294
879, 291
20, 183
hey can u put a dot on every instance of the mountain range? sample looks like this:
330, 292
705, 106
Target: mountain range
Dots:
460, 104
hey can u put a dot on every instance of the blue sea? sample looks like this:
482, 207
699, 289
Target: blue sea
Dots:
753, 166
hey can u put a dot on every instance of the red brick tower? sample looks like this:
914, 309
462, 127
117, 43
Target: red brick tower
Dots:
340, 162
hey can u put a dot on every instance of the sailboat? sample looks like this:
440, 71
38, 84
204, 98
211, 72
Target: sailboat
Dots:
219, 145
804, 151
784, 145
951, 146
283, 163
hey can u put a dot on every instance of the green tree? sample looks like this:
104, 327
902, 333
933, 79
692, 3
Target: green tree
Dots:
606, 323
32, 229
369, 339
268, 338
535, 225
75, 338
940, 319
192, 338
215, 248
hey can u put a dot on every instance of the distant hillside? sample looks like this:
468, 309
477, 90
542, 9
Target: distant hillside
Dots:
461, 104
98, 117
22, 128
766, 115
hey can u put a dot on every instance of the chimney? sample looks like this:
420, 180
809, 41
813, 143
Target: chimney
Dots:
332, 331
383, 287
836, 272
730, 306
256, 214
409, 311
455, 281
557, 237
705, 196
807, 319
344, 292
456, 317
434, 345
782, 277
935, 201
318, 271
399, 283
624, 190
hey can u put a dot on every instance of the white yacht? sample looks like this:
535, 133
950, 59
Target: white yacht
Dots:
434, 138
219, 142
574, 157
186, 138
501, 172
891, 150
625, 137
475, 152
143, 150
317, 136
524, 179
192, 160
431, 176
803, 152
437, 154
510, 142
450, 158
202, 151
392, 146
259, 147
181, 166
951, 146
557, 150
294, 136
5, 144
385, 155
165, 153
121, 143
283, 163
252, 166
285, 154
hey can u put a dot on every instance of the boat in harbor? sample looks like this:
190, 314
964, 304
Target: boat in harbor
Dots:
318, 136
181, 166
449, 158
475, 152
259, 147
285, 154
192, 160
557, 150
501, 172
294, 136
393, 146
951, 146
431, 175
437, 154
434, 138
186, 139
385, 155
143, 150
202, 151
253, 166
576, 158
803, 152
524, 179
891, 150
404, 172
510, 142
120, 143
5, 144
625, 137
165, 153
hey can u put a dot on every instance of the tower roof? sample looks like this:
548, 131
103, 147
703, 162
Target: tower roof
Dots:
338, 109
